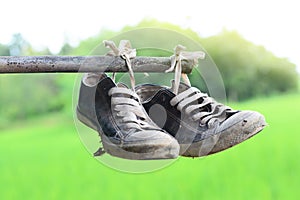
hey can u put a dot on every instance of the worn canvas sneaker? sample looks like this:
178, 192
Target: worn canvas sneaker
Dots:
201, 125
124, 126
86, 103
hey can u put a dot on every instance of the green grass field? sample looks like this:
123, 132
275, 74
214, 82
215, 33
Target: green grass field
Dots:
44, 159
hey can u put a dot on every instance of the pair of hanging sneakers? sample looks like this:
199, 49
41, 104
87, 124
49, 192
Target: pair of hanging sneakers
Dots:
157, 122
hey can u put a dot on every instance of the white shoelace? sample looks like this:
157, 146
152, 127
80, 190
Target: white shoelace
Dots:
126, 52
128, 109
199, 111
208, 111
179, 55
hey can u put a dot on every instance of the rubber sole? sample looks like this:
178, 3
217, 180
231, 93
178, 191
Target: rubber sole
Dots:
208, 146
131, 151
142, 151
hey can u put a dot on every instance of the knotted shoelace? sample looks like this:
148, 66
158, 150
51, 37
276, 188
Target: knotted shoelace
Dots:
126, 52
179, 55
208, 111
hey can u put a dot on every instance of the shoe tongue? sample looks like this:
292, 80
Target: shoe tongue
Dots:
92, 79
182, 86
122, 85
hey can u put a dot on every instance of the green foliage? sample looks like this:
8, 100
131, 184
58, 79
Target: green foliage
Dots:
152, 23
44, 159
24, 96
249, 70
66, 49
17, 45
4, 50
87, 47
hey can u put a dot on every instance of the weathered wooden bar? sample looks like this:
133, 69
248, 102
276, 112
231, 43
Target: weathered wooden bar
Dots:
78, 64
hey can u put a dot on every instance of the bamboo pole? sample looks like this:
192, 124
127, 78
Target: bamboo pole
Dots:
78, 64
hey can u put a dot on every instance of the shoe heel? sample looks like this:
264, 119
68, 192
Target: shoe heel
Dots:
86, 121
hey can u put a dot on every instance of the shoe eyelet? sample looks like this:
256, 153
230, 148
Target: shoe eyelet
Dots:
202, 125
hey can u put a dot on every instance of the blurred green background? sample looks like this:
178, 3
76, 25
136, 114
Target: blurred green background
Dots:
42, 156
